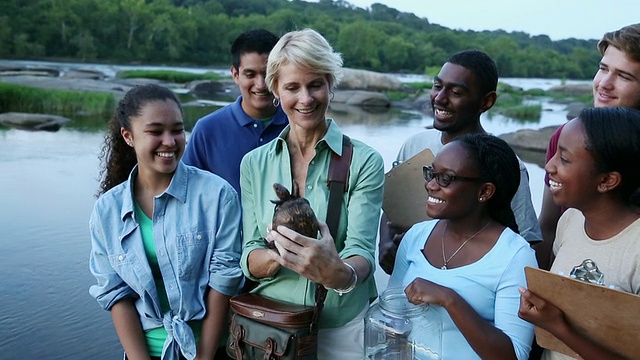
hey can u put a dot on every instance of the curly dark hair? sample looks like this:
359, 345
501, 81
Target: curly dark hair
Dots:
499, 165
117, 159
612, 139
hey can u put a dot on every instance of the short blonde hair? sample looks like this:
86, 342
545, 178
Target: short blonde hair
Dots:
308, 50
626, 40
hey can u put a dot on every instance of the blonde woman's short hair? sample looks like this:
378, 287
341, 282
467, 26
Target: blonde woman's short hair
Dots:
308, 50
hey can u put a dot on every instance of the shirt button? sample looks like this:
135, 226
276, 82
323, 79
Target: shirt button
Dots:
255, 125
120, 257
313, 162
176, 318
199, 237
261, 140
309, 187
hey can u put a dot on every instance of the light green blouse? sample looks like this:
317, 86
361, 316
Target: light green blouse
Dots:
359, 219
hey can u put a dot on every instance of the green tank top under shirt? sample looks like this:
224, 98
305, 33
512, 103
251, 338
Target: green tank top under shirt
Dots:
265, 122
156, 337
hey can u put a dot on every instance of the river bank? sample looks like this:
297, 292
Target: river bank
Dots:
361, 92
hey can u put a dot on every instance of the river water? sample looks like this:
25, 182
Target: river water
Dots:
47, 187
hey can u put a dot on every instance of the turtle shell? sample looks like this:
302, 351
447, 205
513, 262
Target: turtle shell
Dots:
294, 212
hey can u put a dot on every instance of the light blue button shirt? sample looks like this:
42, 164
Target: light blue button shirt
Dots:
196, 229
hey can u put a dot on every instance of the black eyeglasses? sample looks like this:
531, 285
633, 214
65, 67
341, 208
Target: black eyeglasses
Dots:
443, 179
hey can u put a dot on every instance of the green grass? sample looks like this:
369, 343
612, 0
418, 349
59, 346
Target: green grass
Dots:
19, 98
420, 85
168, 75
396, 95
511, 103
521, 112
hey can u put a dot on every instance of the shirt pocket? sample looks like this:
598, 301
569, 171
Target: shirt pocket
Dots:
120, 261
192, 255
123, 264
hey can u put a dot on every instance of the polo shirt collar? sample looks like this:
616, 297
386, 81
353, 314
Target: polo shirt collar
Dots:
279, 117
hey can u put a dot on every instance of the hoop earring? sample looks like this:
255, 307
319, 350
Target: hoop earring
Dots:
332, 96
275, 102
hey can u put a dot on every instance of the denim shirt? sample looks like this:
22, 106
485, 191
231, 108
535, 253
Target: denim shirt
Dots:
196, 229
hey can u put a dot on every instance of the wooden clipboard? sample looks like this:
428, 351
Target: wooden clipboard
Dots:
405, 198
606, 316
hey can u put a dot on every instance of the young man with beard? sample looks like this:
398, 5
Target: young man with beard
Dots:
464, 88
220, 140
617, 83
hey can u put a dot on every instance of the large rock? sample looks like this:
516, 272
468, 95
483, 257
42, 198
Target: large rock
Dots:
573, 89
84, 74
531, 140
33, 122
361, 98
574, 109
205, 88
18, 70
62, 83
354, 79
349, 114
211, 89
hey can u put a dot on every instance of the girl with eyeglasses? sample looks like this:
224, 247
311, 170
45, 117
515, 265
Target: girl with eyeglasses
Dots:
469, 261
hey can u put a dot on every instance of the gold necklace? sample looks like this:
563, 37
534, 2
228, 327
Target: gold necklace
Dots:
444, 258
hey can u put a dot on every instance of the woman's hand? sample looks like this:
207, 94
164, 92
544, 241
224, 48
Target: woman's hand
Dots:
424, 291
539, 312
315, 259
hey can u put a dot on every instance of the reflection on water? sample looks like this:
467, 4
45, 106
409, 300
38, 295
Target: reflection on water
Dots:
48, 182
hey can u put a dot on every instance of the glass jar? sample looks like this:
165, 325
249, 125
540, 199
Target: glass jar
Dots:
396, 329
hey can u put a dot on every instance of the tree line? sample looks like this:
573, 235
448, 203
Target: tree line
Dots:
200, 32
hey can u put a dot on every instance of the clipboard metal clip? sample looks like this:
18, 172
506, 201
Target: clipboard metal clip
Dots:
588, 271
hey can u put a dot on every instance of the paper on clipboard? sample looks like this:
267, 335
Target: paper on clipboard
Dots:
405, 198
609, 317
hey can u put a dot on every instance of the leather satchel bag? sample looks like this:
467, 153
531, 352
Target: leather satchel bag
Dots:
264, 328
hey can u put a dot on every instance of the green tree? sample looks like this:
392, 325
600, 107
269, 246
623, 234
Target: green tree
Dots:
503, 50
394, 53
5, 36
359, 43
24, 48
86, 45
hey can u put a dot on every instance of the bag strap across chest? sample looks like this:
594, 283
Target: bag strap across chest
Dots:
338, 185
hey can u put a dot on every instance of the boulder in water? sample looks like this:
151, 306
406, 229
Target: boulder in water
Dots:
33, 122
361, 98
354, 79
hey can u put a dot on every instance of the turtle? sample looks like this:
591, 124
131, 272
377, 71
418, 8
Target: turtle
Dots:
294, 212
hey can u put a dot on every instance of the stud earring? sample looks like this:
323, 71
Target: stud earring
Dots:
130, 143
481, 198
276, 102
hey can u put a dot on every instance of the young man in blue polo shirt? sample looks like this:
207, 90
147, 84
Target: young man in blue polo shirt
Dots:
220, 140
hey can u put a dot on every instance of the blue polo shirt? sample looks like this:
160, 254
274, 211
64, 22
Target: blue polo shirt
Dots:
220, 140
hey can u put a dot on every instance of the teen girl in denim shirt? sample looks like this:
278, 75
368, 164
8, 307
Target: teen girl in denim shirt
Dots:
165, 237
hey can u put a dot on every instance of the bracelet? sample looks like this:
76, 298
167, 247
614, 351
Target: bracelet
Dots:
352, 285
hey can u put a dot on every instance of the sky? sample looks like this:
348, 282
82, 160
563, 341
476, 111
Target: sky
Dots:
559, 19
